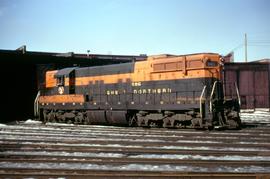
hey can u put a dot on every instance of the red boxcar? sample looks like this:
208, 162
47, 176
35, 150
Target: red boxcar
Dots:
252, 80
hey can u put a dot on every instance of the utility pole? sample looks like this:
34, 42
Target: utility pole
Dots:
245, 47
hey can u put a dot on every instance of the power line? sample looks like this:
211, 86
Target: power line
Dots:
259, 40
237, 47
260, 45
252, 43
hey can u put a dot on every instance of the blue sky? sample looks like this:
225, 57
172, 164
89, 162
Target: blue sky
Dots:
132, 27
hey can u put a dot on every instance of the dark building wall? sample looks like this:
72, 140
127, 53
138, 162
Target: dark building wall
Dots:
21, 74
253, 82
17, 88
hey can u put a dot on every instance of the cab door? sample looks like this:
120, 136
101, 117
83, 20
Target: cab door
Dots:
72, 82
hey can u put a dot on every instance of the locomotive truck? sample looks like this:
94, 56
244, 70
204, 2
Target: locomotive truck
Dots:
171, 91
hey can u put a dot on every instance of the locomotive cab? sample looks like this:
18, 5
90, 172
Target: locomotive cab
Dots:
65, 81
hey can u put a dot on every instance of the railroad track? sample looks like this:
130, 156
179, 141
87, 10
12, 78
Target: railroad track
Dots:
36, 150
78, 174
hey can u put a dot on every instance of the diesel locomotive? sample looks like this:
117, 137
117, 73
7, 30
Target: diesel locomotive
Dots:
171, 91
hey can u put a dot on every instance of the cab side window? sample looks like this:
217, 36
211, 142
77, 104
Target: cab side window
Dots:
61, 81
210, 63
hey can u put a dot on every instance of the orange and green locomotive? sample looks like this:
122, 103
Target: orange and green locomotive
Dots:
169, 91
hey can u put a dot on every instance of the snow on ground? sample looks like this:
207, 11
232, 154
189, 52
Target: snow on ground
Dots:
257, 116
199, 157
30, 121
10, 135
58, 143
135, 167
148, 156
59, 124
197, 141
212, 148
41, 133
63, 154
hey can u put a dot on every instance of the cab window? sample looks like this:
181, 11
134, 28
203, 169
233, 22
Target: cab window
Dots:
210, 63
61, 81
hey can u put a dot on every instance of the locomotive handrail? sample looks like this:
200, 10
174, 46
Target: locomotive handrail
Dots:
203, 91
36, 110
237, 92
211, 96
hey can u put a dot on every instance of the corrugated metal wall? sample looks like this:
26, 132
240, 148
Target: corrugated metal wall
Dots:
252, 80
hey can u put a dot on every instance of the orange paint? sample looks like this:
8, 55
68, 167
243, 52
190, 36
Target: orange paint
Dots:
61, 99
161, 67
50, 80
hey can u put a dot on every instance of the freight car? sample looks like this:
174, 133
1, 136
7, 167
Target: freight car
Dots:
169, 91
